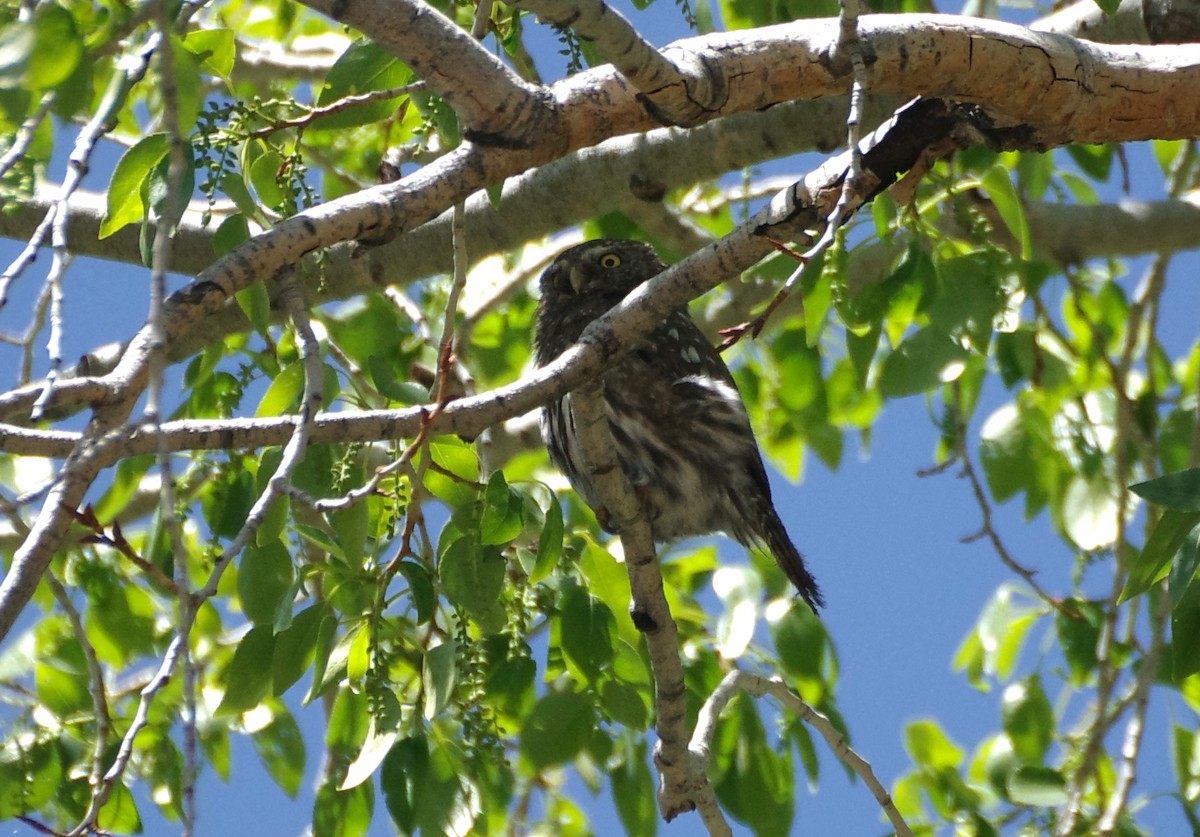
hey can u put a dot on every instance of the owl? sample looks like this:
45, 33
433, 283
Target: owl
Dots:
678, 424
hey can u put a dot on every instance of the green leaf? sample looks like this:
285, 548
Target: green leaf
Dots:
422, 791
1004, 197
757, 786
364, 67
55, 51
1184, 567
17, 43
189, 90
550, 543
1028, 719
1038, 786
159, 188
501, 519
127, 478
280, 748
323, 655
1179, 491
494, 193
510, 684
1163, 543
343, 813
215, 48
1005, 453
460, 459
255, 303
295, 648
930, 748
1078, 637
232, 232
1185, 628
472, 576
420, 588
265, 173
633, 793
283, 393
352, 526
120, 814
624, 704
384, 378
922, 362
248, 677
587, 630
403, 779
382, 732
557, 729
439, 675
125, 202
1096, 160
31, 774
265, 574
800, 640
235, 186
228, 502
358, 654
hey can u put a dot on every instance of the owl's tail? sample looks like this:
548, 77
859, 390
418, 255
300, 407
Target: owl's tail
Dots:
791, 561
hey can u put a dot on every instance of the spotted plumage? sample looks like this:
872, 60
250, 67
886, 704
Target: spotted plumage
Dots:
680, 429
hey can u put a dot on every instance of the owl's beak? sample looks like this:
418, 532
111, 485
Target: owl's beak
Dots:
575, 277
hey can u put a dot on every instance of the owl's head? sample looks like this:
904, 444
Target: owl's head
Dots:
601, 269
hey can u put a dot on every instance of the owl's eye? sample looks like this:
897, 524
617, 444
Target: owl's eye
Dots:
610, 260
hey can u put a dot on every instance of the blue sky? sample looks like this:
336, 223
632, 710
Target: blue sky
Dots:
902, 590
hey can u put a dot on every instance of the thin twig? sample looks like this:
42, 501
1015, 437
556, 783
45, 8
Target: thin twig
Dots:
758, 686
849, 45
95, 679
1136, 727
987, 529
24, 136
314, 113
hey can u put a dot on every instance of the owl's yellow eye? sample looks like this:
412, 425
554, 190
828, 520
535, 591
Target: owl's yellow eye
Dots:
610, 260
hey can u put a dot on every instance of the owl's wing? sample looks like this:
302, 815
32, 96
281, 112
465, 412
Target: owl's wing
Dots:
678, 350
677, 377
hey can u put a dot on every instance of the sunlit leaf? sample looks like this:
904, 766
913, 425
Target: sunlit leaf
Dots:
550, 542
929, 746
125, 192
920, 363
439, 675
248, 677
1161, 547
1028, 718
1039, 786
1179, 491
296, 648
501, 520
280, 747
1008, 204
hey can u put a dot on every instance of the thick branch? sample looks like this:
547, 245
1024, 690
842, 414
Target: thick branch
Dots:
1135, 22
685, 786
495, 105
677, 88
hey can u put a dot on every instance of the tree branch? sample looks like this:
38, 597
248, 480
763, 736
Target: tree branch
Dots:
678, 89
495, 105
758, 686
684, 784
